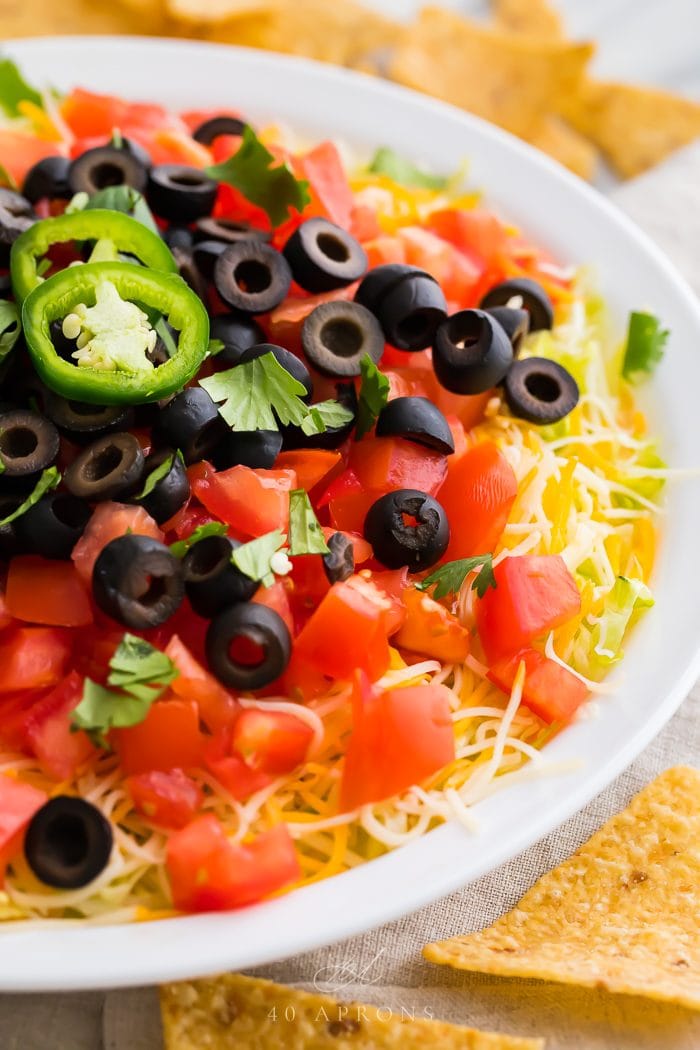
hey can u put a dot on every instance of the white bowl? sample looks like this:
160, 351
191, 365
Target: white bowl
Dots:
663, 658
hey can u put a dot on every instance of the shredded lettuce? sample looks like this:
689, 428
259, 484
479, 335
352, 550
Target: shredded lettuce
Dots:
626, 598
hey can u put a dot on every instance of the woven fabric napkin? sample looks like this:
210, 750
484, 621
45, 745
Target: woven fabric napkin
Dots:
385, 966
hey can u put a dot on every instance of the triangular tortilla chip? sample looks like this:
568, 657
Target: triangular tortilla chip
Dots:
242, 1013
217, 10
555, 137
507, 79
635, 127
622, 914
528, 17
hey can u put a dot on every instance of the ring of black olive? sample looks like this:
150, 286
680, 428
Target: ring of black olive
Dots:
254, 626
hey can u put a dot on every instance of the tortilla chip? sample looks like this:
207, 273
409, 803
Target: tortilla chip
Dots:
505, 79
622, 914
233, 1012
635, 127
528, 17
19, 18
561, 142
201, 11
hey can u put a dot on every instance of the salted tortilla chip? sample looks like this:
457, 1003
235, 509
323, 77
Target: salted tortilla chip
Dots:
635, 127
506, 79
622, 914
560, 141
529, 17
202, 11
242, 1013
20, 18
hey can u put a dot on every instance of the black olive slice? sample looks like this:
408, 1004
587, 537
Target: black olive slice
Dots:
416, 419
531, 295
336, 336
137, 581
228, 231
339, 563
180, 194
515, 323
238, 332
205, 255
331, 437
190, 272
16, 215
252, 276
471, 352
110, 468
248, 646
179, 237
210, 129
249, 448
82, 421
170, 492
540, 391
190, 422
407, 302
379, 281
97, 169
323, 256
29, 443
47, 178
53, 526
68, 842
212, 581
407, 527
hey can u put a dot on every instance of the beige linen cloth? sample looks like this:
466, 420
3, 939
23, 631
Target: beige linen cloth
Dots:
385, 966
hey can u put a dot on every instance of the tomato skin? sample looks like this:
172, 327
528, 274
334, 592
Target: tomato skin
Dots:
48, 734
274, 741
217, 707
477, 496
311, 466
18, 804
48, 592
330, 191
550, 690
476, 232
533, 594
399, 738
276, 598
33, 658
5, 618
20, 152
231, 770
208, 873
386, 588
169, 799
355, 617
89, 114
431, 629
110, 520
252, 502
384, 464
168, 738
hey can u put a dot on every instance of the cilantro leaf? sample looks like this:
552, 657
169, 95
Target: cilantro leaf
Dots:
49, 480
396, 167
257, 391
9, 327
646, 339
212, 528
15, 89
253, 559
325, 414
449, 578
156, 475
140, 674
374, 394
250, 171
305, 533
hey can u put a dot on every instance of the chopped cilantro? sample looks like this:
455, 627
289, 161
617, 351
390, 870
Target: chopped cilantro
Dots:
449, 578
15, 89
374, 394
325, 414
646, 339
49, 480
254, 558
212, 528
396, 167
157, 474
252, 171
305, 533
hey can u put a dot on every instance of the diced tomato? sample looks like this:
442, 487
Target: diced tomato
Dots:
217, 707
399, 738
549, 690
330, 191
209, 873
302, 680
108, 521
476, 232
49, 734
174, 146
362, 550
348, 509
383, 464
169, 799
382, 587
88, 114
431, 629
168, 738
460, 440
349, 613
40, 590
459, 275
477, 496
310, 583
231, 770
33, 658
18, 804
364, 225
5, 618
533, 594
276, 598
194, 117
20, 152
383, 250
252, 502
274, 741
312, 466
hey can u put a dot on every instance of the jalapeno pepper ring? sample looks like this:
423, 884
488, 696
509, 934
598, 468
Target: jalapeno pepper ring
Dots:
127, 235
167, 294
